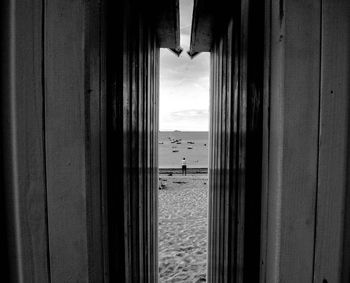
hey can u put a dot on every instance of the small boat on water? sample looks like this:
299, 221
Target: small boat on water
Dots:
175, 150
161, 143
190, 142
178, 143
189, 147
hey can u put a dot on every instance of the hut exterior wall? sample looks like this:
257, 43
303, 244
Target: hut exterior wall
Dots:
133, 75
74, 160
52, 143
236, 147
306, 142
24, 234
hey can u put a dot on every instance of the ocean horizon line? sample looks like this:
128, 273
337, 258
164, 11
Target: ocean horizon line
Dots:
182, 131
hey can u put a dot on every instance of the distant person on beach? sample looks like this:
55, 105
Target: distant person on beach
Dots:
184, 167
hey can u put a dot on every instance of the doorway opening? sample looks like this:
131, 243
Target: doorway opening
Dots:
183, 161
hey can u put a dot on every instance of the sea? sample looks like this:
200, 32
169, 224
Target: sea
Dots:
175, 145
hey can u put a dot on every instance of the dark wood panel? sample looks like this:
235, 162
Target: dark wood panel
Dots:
73, 140
132, 146
236, 152
293, 142
333, 144
94, 135
265, 142
23, 189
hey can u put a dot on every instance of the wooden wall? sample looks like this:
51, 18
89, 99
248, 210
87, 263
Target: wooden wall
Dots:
24, 210
132, 145
236, 146
62, 184
306, 142
52, 113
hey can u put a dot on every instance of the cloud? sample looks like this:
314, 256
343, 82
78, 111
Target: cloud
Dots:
185, 120
190, 114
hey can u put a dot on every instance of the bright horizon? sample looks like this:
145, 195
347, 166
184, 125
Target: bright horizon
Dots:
184, 131
184, 83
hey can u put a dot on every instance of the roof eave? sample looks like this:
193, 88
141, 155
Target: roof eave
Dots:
167, 24
202, 28
207, 17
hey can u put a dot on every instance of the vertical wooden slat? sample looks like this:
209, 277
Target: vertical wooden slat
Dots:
236, 102
254, 133
222, 190
141, 161
65, 140
265, 141
53, 189
212, 185
148, 152
226, 144
103, 138
133, 147
73, 143
22, 143
241, 136
156, 164
334, 142
22, 160
126, 141
294, 107
210, 175
219, 157
93, 134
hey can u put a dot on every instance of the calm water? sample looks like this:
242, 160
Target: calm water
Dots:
196, 157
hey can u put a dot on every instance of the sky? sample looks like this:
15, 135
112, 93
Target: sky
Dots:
184, 83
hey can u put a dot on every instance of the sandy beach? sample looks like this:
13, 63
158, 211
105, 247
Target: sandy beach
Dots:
183, 206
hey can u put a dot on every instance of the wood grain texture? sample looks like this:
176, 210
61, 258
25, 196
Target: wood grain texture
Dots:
95, 147
132, 146
103, 137
333, 142
293, 154
265, 142
235, 148
22, 148
73, 145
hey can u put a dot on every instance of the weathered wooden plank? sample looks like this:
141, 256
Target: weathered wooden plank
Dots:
229, 241
219, 157
295, 68
94, 174
148, 150
265, 142
73, 145
23, 187
126, 142
141, 173
233, 106
254, 133
103, 137
134, 127
210, 173
240, 160
132, 147
154, 188
333, 141
225, 158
